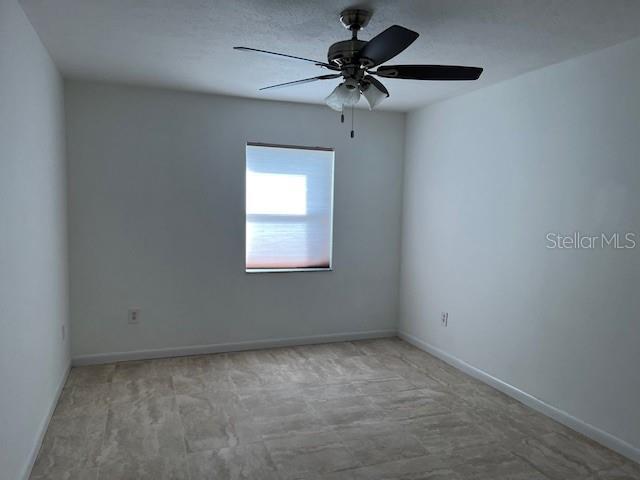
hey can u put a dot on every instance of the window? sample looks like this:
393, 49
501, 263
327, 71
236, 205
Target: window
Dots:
289, 208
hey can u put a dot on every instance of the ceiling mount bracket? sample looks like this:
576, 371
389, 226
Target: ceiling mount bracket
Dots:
355, 19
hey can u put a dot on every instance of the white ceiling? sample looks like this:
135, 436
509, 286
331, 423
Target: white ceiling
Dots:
187, 44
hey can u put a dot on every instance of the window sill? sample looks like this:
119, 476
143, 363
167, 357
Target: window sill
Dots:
287, 270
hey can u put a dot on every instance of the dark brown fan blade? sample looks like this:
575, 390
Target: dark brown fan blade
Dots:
376, 83
429, 72
293, 57
305, 80
387, 45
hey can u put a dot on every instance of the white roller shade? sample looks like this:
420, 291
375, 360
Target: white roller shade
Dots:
289, 207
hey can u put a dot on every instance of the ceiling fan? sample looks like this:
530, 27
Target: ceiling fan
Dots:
355, 59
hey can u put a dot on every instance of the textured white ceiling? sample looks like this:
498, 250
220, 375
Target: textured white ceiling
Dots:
187, 44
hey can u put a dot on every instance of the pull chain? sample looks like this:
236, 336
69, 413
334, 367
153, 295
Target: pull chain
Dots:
353, 113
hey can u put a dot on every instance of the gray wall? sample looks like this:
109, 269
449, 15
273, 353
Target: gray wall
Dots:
487, 175
157, 221
33, 268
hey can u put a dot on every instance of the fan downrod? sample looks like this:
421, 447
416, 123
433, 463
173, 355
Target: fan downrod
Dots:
344, 53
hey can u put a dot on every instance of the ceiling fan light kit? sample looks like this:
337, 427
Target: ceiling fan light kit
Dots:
355, 59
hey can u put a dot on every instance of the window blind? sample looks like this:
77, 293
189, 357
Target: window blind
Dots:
289, 208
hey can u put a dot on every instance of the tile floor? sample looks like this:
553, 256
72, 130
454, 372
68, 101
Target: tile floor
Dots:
377, 409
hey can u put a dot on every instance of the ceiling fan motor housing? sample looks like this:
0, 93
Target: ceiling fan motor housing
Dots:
345, 52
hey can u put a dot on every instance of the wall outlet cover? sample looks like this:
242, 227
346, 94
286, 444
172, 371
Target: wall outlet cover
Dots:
134, 316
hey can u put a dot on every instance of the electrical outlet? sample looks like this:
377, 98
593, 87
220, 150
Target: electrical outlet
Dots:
134, 316
444, 319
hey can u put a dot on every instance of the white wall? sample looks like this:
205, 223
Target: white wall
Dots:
33, 266
487, 175
157, 221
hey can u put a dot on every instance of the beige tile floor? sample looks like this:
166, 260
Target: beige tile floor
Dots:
377, 409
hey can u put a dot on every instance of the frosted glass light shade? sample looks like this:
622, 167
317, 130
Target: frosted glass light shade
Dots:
343, 96
373, 96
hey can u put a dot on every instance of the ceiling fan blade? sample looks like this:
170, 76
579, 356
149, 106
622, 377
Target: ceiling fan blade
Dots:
376, 83
387, 45
304, 80
429, 72
293, 57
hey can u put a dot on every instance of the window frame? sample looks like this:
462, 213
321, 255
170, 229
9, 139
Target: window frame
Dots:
333, 173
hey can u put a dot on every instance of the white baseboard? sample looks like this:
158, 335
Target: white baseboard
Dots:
596, 434
101, 358
43, 428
